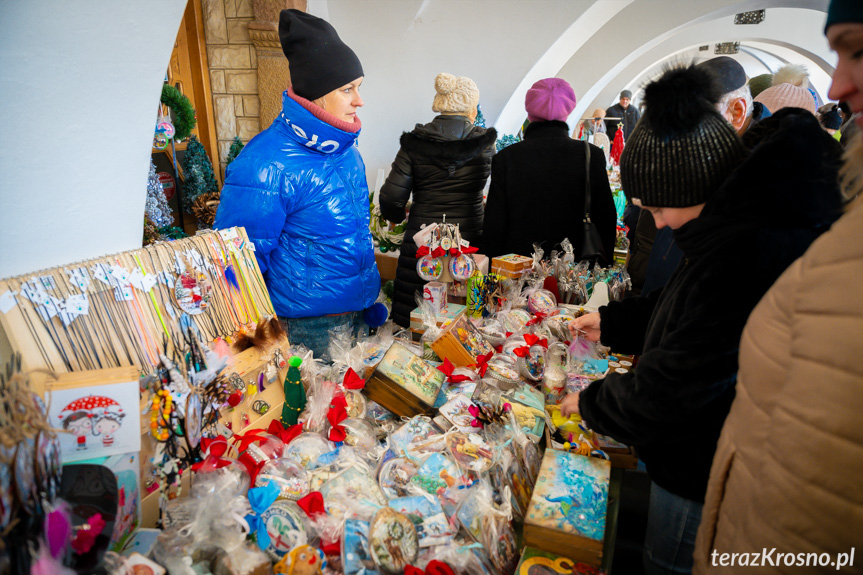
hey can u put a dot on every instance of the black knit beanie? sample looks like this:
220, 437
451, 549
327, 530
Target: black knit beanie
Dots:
843, 11
318, 59
682, 149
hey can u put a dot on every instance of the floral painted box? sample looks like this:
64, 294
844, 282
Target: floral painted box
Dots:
404, 383
567, 511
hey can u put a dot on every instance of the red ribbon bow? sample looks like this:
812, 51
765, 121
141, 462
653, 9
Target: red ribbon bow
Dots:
288, 434
313, 506
438, 252
469, 250
481, 364
522, 351
434, 567
447, 368
422, 251
537, 317
337, 413
352, 380
247, 439
533, 339
454, 252
214, 449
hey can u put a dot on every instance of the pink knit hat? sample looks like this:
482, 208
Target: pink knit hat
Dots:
549, 99
786, 96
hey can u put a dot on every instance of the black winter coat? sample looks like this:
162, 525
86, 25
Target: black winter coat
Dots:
628, 117
445, 165
537, 194
671, 407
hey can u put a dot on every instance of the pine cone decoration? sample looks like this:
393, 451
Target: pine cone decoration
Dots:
204, 208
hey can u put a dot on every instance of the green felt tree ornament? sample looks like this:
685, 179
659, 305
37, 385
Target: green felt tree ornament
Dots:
295, 393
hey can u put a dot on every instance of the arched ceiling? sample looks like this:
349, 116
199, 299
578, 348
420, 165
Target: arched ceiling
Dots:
621, 55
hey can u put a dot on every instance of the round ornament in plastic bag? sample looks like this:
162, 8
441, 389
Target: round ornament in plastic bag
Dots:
307, 447
395, 476
499, 540
356, 403
360, 434
291, 477
541, 301
262, 449
462, 267
532, 366
285, 523
504, 369
429, 268
231, 480
493, 331
166, 127
393, 541
515, 320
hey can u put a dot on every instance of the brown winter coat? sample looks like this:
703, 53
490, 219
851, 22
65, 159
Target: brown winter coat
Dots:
788, 470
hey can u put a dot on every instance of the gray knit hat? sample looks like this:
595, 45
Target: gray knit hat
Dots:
682, 149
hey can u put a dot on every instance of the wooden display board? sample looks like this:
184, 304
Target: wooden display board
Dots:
131, 326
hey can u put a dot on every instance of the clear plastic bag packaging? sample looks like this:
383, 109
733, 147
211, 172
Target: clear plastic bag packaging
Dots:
291, 477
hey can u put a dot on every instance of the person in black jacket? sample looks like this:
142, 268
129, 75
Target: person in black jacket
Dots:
740, 217
445, 165
621, 113
538, 185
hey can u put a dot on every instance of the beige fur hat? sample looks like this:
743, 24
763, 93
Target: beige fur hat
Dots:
455, 95
786, 96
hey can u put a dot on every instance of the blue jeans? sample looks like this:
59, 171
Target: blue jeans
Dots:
313, 332
672, 523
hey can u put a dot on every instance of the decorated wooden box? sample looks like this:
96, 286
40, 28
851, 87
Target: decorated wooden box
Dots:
567, 510
461, 343
404, 383
451, 311
511, 265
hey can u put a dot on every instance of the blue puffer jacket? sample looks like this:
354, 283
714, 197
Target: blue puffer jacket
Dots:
299, 188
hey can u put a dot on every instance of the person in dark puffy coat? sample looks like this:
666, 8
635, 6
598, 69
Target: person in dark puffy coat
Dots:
687, 166
538, 185
299, 188
445, 165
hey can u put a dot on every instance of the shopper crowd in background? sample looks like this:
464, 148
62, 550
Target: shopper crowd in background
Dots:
748, 351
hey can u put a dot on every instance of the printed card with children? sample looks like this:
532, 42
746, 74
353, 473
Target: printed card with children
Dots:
100, 421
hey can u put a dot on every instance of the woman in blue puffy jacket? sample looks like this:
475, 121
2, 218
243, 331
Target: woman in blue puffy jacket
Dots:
299, 188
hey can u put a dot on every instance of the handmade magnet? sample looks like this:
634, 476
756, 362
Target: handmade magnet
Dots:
499, 540
393, 541
395, 475
287, 529
192, 292
457, 412
291, 477
437, 474
356, 558
470, 451
428, 518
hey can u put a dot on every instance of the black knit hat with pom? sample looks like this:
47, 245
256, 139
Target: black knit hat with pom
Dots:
682, 149
318, 59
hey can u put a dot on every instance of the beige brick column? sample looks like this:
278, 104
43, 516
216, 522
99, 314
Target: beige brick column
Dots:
273, 76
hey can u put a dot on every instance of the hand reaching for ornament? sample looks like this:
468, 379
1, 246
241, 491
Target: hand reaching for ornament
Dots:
569, 405
586, 326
